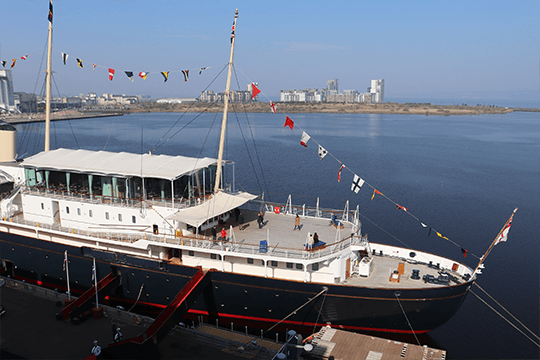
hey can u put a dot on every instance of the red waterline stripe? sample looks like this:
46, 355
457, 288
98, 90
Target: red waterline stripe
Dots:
252, 318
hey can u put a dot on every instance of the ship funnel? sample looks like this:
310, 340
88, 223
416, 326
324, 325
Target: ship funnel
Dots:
8, 142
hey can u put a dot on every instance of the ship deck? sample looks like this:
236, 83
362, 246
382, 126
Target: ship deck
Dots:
279, 229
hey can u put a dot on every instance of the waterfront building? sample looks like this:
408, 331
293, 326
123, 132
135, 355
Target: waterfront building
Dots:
377, 91
7, 98
236, 96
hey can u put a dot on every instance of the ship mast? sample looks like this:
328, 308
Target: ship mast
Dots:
48, 83
225, 108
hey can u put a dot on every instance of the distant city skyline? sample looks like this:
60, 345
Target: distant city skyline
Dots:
454, 49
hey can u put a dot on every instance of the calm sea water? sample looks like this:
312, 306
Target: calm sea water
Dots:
461, 175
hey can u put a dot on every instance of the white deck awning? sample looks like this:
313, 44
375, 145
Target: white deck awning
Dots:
120, 164
219, 204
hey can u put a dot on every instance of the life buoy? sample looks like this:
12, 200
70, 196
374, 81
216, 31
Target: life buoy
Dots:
277, 210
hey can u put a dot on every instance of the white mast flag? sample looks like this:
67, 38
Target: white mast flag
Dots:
304, 139
322, 152
357, 184
504, 233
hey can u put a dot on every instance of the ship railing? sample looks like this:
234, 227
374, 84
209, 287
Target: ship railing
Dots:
304, 211
64, 193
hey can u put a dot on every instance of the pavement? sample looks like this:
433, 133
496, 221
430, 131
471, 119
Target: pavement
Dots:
29, 330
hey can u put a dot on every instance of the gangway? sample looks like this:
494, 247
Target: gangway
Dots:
144, 346
84, 303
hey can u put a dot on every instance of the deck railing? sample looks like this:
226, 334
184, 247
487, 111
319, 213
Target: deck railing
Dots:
205, 242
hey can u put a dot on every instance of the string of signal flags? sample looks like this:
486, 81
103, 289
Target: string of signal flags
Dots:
357, 182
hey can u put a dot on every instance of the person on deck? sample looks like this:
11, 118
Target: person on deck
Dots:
260, 219
214, 233
240, 219
237, 213
223, 234
315, 239
296, 223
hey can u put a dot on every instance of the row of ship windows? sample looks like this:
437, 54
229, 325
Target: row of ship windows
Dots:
91, 214
273, 263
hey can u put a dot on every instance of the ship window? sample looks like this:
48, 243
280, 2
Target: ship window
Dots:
273, 263
215, 256
191, 253
119, 217
67, 209
90, 213
107, 215
249, 260
315, 266
78, 211
133, 219
42, 206
289, 265
299, 266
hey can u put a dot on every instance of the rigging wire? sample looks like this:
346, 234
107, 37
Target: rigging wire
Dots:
158, 145
320, 311
253, 140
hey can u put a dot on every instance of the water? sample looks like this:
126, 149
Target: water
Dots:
461, 175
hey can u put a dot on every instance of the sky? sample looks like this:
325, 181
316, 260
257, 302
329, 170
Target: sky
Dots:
422, 49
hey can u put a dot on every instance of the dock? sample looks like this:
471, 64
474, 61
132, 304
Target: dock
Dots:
29, 330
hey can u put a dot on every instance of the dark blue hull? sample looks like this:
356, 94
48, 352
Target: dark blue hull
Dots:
234, 297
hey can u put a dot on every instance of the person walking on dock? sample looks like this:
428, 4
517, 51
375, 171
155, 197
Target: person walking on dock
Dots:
296, 223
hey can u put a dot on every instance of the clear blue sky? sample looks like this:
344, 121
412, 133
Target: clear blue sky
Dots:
420, 48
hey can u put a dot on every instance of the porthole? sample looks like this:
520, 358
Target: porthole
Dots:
147, 295
119, 217
42, 206
245, 307
167, 298
46, 256
216, 287
133, 219
412, 254
76, 281
132, 274
79, 211
222, 305
277, 295
107, 215
167, 279
147, 276
245, 291
90, 213
67, 209
269, 310
12, 249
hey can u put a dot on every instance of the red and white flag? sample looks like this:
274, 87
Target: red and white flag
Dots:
24, 57
254, 90
273, 106
94, 67
304, 139
339, 173
111, 74
504, 234
143, 75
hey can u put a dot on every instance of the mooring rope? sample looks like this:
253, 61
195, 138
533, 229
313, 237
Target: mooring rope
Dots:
292, 313
508, 321
408, 322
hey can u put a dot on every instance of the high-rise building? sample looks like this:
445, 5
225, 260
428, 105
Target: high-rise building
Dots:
332, 85
377, 91
7, 99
